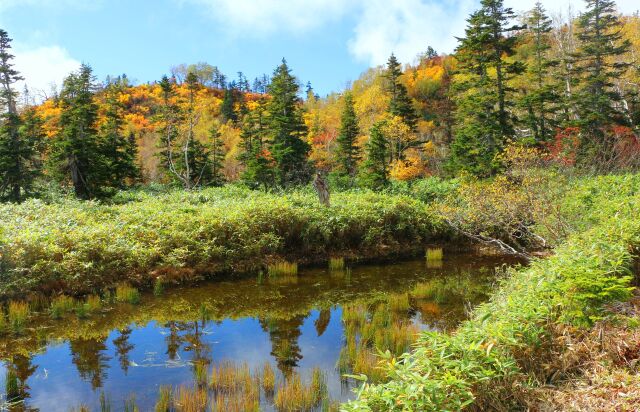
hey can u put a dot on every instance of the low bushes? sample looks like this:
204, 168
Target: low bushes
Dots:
502, 348
81, 246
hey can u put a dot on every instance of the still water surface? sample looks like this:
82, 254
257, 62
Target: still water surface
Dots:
293, 323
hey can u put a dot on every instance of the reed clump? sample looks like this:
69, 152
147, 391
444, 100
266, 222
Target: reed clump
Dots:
93, 303
282, 269
336, 263
268, 379
229, 377
165, 399
127, 294
158, 287
434, 254
60, 305
293, 395
200, 373
190, 399
18, 314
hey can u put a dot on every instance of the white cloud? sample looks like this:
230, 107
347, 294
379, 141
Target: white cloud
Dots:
259, 17
405, 27
43, 67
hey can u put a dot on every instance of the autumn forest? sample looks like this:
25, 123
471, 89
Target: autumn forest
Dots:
458, 232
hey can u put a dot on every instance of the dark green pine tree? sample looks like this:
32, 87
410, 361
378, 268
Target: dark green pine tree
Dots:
217, 157
120, 151
539, 101
374, 172
227, 108
400, 104
76, 154
259, 165
348, 152
287, 130
483, 120
20, 139
595, 97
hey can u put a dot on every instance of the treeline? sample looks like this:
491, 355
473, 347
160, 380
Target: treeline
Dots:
570, 88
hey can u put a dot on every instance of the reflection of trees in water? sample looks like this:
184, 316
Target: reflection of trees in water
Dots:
189, 334
323, 321
19, 370
200, 350
123, 347
284, 335
173, 339
90, 360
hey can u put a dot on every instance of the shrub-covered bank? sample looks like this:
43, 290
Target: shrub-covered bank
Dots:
75, 246
506, 345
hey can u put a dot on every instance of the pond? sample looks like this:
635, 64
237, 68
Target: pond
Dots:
243, 343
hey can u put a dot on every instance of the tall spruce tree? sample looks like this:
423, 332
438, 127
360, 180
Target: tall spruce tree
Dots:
76, 154
483, 119
287, 129
119, 150
227, 108
255, 156
539, 100
217, 157
348, 152
374, 172
596, 99
400, 103
20, 139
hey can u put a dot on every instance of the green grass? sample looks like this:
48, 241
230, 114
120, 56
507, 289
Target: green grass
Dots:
282, 269
127, 294
506, 340
78, 247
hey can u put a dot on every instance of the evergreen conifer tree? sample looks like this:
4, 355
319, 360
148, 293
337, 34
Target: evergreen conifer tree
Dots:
76, 154
400, 104
348, 151
596, 99
286, 129
483, 119
540, 100
375, 169
20, 139
217, 157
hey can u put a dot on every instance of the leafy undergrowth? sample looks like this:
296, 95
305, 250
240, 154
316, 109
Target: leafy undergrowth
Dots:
79, 247
509, 345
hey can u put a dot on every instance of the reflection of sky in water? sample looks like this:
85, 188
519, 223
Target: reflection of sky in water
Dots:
57, 384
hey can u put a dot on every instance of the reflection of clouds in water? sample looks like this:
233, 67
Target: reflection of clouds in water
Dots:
284, 320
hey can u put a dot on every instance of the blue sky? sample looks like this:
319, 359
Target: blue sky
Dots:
327, 42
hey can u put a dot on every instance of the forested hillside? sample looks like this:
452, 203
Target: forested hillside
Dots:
569, 87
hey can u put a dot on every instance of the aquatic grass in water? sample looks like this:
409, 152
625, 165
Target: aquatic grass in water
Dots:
190, 399
293, 395
128, 294
158, 287
434, 254
93, 303
18, 314
282, 269
268, 379
336, 263
200, 373
130, 404
165, 399
61, 305
230, 377
399, 303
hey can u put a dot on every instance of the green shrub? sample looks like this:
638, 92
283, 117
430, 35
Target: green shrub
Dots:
83, 246
496, 346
